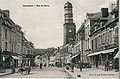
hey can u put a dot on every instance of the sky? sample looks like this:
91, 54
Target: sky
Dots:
44, 25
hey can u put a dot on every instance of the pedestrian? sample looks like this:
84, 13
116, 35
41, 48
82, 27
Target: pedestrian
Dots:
105, 65
80, 65
29, 69
41, 65
110, 65
12, 66
72, 67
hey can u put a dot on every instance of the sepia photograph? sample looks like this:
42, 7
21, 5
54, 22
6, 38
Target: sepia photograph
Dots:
59, 39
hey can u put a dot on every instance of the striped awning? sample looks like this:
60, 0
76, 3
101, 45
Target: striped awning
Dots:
102, 52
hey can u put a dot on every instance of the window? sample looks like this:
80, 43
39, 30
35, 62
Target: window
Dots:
95, 43
5, 46
103, 38
92, 44
116, 30
110, 36
99, 40
6, 33
12, 48
88, 43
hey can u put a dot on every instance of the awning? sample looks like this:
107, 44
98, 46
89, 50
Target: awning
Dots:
117, 55
103, 52
92, 54
15, 57
75, 55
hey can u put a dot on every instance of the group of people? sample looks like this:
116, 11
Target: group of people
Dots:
73, 65
25, 67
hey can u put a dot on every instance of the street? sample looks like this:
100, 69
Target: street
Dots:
46, 72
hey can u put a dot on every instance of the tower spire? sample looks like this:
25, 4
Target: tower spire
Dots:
69, 26
68, 13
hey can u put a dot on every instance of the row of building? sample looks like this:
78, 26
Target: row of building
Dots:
95, 43
15, 49
45, 56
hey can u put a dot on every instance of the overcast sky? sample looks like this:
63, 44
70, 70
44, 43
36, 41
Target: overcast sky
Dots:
44, 25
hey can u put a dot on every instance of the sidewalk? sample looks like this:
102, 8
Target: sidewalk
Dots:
7, 72
93, 73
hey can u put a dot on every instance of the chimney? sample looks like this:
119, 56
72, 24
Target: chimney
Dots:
104, 12
6, 12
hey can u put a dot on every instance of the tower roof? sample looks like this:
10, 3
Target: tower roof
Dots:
68, 4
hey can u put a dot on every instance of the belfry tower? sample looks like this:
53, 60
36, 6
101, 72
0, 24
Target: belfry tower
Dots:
69, 26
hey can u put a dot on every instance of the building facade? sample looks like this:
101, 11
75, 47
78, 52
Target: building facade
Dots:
11, 35
28, 53
96, 41
104, 40
11, 42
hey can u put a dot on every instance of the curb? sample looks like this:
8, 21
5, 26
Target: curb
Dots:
5, 74
8, 73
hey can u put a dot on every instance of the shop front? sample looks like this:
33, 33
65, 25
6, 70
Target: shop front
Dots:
103, 59
76, 59
8, 59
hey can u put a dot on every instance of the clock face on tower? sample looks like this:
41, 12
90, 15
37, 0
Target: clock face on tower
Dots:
70, 30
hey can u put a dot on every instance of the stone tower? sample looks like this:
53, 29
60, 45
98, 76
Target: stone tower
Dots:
69, 26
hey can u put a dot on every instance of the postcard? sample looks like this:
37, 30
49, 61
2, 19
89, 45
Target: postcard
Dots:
62, 39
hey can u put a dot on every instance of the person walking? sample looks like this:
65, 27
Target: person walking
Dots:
12, 66
41, 65
72, 67
105, 65
80, 65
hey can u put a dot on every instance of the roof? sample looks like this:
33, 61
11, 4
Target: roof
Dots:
81, 28
68, 4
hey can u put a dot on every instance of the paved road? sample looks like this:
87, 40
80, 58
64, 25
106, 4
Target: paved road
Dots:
49, 72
